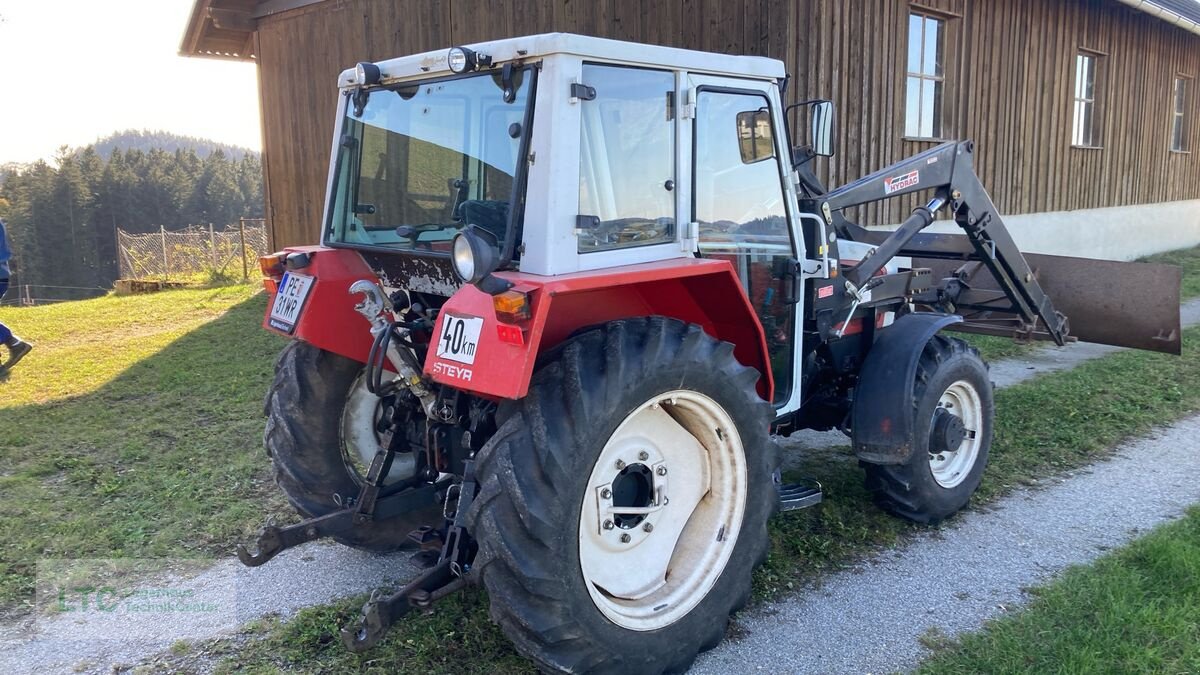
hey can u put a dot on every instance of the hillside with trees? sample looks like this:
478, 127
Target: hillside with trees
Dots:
62, 217
132, 139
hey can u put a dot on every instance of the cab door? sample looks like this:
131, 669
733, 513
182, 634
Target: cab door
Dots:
742, 209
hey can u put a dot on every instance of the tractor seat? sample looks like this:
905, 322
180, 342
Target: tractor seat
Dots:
489, 214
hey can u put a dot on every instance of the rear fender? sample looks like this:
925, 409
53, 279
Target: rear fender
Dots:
700, 291
883, 412
328, 319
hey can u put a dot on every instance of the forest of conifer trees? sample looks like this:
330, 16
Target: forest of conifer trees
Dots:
62, 217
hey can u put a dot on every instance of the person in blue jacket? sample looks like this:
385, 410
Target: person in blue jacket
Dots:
17, 348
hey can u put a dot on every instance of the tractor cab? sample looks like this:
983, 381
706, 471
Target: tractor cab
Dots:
560, 154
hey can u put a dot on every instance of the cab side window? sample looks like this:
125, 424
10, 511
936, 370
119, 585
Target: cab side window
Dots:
627, 159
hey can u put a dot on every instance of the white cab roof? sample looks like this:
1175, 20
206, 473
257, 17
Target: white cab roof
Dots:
534, 47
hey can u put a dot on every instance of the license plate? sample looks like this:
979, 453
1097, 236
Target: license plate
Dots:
459, 339
293, 290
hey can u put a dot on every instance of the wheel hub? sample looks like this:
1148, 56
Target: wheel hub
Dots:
948, 432
633, 488
631, 504
954, 440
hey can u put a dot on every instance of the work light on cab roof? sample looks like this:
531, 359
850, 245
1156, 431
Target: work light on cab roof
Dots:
462, 60
366, 73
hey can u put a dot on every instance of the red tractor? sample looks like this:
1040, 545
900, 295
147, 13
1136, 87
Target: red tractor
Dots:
568, 290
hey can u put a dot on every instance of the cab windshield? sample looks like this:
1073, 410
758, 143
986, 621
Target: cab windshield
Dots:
418, 162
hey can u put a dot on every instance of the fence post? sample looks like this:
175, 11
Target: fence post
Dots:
242, 235
212, 247
162, 230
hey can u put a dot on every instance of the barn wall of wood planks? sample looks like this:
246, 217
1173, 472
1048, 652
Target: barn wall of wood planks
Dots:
1009, 83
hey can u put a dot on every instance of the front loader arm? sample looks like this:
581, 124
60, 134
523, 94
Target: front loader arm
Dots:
949, 171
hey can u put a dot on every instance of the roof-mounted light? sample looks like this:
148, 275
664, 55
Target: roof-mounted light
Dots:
366, 74
463, 60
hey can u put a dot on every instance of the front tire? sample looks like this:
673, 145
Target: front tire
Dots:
953, 411
320, 429
622, 415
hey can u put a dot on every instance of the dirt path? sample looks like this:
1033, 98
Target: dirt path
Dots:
870, 619
94, 641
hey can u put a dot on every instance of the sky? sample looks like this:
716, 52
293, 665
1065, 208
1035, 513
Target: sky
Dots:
72, 71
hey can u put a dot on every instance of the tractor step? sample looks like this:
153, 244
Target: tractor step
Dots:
796, 496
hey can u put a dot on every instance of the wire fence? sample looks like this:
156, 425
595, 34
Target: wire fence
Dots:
195, 252
43, 294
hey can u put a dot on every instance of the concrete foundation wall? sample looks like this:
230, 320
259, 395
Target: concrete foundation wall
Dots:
1115, 233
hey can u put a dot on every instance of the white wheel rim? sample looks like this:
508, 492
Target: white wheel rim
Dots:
360, 440
681, 453
952, 467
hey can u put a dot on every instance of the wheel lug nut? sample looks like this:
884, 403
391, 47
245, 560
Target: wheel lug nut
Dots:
625, 538
643, 455
608, 525
647, 527
662, 471
620, 464
606, 494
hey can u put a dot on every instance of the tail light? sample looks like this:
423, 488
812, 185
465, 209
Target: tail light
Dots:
272, 267
512, 306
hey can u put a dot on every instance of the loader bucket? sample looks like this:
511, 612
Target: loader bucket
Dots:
1125, 304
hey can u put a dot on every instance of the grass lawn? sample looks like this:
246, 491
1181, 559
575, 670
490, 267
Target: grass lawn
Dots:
1136, 610
133, 430
1189, 260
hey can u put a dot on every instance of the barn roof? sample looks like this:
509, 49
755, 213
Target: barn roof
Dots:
224, 29
1182, 13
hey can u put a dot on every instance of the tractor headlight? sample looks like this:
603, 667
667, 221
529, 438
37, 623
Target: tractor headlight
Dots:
475, 253
366, 74
464, 258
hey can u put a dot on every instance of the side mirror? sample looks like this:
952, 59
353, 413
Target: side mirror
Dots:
822, 128
756, 140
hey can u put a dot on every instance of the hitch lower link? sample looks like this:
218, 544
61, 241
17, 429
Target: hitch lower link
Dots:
444, 577
375, 501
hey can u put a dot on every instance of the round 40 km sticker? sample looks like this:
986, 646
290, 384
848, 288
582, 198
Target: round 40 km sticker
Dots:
459, 338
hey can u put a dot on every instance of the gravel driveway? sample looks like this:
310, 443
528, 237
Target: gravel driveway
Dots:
869, 619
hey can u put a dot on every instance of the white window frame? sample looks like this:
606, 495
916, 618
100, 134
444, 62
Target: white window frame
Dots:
1089, 137
931, 79
1179, 113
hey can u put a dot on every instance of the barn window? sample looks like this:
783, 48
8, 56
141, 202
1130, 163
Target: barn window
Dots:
926, 76
1179, 118
1085, 125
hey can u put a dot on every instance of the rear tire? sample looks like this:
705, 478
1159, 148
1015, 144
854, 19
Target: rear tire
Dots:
304, 439
952, 397
626, 391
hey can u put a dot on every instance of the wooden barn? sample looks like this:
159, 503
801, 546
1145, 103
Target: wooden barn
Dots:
1084, 111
